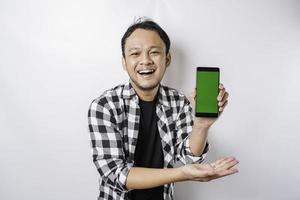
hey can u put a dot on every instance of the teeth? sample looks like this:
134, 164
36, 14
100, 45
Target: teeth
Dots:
145, 71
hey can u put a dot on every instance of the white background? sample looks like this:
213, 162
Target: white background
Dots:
56, 56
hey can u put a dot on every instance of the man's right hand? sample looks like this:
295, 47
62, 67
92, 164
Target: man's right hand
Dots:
207, 172
144, 178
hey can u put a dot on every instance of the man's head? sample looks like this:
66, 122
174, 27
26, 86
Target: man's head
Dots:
146, 24
145, 54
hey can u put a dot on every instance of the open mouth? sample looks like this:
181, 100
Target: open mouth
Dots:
146, 71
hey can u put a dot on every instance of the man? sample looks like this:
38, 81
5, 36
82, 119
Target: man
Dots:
140, 130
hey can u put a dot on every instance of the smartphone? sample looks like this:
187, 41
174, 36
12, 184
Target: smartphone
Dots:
207, 90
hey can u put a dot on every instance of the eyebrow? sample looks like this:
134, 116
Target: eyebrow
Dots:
151, 47
134, 48
155, 46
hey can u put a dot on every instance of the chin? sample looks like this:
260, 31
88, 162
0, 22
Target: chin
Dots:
147, 86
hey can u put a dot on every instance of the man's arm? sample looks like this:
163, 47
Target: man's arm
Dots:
114, 170
107, 145
201, 125
198, 139
142, 178
185, 136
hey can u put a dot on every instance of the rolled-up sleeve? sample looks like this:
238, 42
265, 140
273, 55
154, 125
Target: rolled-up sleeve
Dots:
107, 145
184, 124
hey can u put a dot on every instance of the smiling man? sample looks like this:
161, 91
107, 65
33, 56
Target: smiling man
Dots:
141, 130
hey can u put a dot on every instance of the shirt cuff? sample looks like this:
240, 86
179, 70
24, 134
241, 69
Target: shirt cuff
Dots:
193, 157
123, 174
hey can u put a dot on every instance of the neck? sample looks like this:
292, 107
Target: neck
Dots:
145, 95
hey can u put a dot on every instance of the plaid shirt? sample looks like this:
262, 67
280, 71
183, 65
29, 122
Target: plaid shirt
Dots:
114, 124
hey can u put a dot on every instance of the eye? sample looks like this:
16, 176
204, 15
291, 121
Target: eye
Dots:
155, 52
134, 54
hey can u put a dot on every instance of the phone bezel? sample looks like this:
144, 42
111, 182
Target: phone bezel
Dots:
202, 114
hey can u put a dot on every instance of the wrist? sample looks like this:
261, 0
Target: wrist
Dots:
180, 175
201, 123
200, 127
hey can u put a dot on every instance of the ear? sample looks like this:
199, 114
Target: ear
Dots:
168, 59
124, 63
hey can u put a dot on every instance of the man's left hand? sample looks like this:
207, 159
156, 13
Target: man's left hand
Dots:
206, 122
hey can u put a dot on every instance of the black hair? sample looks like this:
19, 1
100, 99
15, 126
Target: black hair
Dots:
147, 24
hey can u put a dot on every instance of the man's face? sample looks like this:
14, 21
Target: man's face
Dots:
145, 59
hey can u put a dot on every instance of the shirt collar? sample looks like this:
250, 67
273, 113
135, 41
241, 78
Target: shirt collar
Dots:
129, 93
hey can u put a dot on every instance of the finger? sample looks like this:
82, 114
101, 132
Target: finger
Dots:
226, 160
193, 94
223, 107
220, 163
192, 98
221, 103
224, 98
234, 168
221, 86
227, 165
221, 160
221, 94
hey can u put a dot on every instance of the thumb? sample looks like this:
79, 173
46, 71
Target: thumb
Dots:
193, 97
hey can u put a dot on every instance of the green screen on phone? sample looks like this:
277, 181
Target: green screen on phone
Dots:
207, 92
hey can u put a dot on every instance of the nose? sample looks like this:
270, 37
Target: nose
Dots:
146, 59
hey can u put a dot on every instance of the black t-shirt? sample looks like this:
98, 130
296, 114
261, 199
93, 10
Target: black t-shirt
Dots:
148, 151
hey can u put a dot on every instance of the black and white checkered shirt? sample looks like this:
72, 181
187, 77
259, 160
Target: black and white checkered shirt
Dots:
114, 124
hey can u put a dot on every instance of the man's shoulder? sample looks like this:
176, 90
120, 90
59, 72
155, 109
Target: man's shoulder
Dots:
173, 94
113, 92
110, 95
